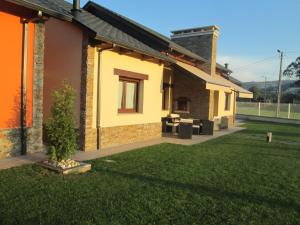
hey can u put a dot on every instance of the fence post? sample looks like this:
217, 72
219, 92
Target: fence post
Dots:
289, 110
259, 109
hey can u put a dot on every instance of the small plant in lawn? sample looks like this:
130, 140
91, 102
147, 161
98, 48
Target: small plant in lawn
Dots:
60, 128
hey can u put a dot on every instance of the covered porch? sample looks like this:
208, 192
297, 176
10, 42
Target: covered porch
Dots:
207, 98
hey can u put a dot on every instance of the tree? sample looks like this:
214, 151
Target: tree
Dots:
60, 128
289, 97
293, 70
256, 92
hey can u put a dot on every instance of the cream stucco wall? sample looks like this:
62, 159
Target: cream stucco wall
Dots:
63, 51
151, 96
221, 105
95, 87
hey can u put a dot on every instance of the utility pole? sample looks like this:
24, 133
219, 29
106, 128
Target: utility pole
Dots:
279, 83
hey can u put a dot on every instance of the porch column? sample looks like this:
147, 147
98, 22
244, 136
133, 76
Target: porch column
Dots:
88, 133
35, 133
211, 105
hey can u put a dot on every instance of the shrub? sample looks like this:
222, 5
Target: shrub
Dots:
60, 128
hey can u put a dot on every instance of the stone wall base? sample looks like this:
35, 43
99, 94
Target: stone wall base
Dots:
120, 135
90, 143
218, 124
10, 142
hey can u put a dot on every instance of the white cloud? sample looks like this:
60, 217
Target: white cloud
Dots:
253, 69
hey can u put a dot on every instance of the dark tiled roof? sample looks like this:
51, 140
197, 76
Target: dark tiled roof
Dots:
171, 44
54, 8
234, 80
103, 30
107, 32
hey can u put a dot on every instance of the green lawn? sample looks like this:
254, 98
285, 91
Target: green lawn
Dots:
236, 179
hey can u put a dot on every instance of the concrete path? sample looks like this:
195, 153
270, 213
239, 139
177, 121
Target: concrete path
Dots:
21, 160
82, 156
197, 139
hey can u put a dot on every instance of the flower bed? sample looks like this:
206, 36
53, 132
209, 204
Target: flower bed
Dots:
68, 166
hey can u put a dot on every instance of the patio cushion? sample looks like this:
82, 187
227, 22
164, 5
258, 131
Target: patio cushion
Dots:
186, 120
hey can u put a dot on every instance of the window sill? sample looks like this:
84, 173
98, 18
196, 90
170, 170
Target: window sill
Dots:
129, 113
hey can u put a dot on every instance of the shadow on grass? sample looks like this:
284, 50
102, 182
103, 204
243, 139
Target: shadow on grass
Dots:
289, 134
279, 155
274, 124
259, 146
260, 152
214, 192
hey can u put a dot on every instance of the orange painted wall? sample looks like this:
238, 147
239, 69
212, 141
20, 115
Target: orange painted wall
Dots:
11, 70
63, 53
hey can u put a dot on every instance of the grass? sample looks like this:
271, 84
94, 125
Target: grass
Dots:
235, 179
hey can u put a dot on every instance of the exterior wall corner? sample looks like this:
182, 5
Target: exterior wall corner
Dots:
35, 133
88, 134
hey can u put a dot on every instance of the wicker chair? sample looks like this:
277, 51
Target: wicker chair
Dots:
208, 127
197, 127
185, 129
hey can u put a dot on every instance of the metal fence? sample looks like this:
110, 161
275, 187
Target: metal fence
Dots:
287, 111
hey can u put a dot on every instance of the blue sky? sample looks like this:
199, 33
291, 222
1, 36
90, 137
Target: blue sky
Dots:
250, 30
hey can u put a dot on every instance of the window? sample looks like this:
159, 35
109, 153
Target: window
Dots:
131, 84
183, 104
216, 103
128, 95
227, 101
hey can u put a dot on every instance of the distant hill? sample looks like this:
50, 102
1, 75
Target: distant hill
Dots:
261, 84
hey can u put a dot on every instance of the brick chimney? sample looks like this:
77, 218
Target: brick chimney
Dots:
201, 41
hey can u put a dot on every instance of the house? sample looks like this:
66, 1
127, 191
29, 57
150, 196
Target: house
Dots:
21, 83
126, 76
79, 47
197, 86
117, 78
24, 64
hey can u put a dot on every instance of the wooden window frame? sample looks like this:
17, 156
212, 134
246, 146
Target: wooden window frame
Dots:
123, 108
227, 101
164, 97
167, 89
130, 74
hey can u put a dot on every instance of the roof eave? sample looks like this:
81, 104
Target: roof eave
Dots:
166, 59
123, 19
37, 7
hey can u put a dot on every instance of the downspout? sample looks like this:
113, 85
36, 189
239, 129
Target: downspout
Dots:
98, 103
100, 50
24, 89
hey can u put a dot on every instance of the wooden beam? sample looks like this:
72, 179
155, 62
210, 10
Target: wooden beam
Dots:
146, 57
125, 51
130, 74
182, 60
105, 45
